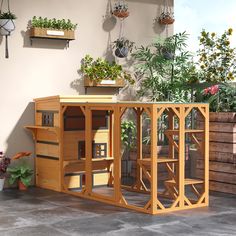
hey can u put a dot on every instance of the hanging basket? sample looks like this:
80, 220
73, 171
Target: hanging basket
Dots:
6, 26
122, 52
167, 20
121, 14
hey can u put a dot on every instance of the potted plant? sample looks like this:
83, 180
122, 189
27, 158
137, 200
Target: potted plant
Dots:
7, 24
122, 47
217, 69
101, 73
121, 10
52, 28
21, 173
4, 162
166, 18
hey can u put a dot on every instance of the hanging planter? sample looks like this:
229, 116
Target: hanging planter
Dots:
7, 25
166, 18
121, 10
122, 47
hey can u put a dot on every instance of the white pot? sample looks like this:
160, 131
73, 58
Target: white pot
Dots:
6, 26
2, 184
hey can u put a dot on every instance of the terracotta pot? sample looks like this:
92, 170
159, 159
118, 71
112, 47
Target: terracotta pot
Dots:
167, 21
121, 14
21, 186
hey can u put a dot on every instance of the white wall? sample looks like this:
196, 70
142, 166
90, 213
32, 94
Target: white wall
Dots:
46, 68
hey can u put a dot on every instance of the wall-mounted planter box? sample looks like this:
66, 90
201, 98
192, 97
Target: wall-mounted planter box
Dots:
119, 83
52, 33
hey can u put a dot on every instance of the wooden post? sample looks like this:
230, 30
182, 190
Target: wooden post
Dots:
88, 150
154, 159
139, 148
117, 156
206, 156
181, 166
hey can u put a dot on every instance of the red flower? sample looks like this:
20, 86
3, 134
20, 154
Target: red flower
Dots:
214, 89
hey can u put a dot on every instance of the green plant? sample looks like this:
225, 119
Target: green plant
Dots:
7, 15
222, 97
128, 134
216, 57
165, 67
21, 172
100, 69
52, 23
122, 42
121, 7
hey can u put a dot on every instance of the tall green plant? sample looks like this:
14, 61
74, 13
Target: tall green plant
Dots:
217, 59
165, 67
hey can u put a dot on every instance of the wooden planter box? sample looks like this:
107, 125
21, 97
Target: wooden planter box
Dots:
222, 152
119, 83
52, 33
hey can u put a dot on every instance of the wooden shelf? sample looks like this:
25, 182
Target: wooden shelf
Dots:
147, 161
188, 131
100, 159
186, 181
34, 129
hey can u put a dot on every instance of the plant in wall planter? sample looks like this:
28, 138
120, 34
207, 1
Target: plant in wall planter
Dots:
22, 172
121, 10
166, 18
122, 47
4, 162
52, 28
101, 73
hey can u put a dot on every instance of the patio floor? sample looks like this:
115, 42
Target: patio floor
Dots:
48, 213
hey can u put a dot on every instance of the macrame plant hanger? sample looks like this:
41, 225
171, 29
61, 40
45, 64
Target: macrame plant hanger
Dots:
122, 24
4, 30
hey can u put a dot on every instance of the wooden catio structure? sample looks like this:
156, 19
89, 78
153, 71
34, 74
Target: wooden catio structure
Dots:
78, 151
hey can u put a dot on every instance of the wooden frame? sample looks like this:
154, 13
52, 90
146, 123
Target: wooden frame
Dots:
174, 186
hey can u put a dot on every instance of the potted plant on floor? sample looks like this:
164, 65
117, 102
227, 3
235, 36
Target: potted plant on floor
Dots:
101, 73
121, 10
52, 28
7, 24
122, 47
22, 172
4, 163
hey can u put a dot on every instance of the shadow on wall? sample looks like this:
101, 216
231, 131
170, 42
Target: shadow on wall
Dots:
20, 139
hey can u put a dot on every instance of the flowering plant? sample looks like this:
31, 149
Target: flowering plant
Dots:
4, 163
221, 97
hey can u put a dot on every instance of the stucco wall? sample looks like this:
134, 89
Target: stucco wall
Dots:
46, 68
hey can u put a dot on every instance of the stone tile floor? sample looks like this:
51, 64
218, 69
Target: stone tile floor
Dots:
39, 212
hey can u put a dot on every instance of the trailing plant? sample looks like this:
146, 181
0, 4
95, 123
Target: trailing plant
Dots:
52, 23
217, 58
7, 15
164, 68
100, 69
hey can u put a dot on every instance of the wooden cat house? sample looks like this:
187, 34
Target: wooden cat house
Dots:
78, 151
